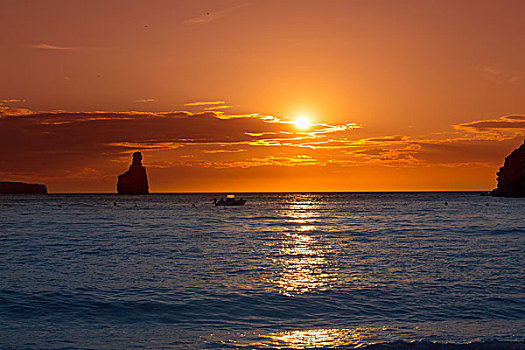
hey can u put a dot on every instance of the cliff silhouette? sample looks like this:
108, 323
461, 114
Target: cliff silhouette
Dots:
511, 176
7, 187
135, 180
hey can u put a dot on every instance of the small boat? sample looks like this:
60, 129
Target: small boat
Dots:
229, 201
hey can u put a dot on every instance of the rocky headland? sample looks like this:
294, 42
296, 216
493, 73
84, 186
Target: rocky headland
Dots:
21, 188
511, 176
135, 180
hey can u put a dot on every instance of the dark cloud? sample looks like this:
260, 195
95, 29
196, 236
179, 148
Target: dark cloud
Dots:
506, 122
388, 139
129, 127
11, 100
59, 142
462, 151
77, 148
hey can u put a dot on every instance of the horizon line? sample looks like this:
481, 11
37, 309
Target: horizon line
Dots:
261, 192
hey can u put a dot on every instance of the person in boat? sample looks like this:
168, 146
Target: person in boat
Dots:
219, 202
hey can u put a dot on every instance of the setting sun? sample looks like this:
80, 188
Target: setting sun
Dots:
285, 174
303, 123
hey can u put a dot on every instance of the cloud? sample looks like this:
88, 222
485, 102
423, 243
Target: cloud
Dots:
58, 142
6, 110
298, 160
53, 47
396, 138
501, 76
212, 15
516, 78
212, 108
12, 100
63, 145
44, 46
458, 151
225, 150
205, 17
205, 103
505, 122
146, 100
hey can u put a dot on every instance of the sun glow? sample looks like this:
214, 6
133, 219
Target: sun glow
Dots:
303, 123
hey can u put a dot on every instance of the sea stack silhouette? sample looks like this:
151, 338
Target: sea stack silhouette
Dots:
135, 180
21, 188
511, 176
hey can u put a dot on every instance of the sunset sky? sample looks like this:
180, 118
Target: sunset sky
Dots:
401, 95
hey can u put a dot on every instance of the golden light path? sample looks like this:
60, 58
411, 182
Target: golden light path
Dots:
304, 270
303, 267
320, 338
313, 338
303, 264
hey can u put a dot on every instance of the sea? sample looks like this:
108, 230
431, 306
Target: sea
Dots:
419, 270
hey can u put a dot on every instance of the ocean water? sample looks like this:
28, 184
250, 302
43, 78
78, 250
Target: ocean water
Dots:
285, 271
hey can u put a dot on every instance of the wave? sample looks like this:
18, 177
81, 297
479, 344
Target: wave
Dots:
238, 309
425, 345
395, 345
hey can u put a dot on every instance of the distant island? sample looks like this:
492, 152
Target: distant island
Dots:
7, 187
135, 180
511, 176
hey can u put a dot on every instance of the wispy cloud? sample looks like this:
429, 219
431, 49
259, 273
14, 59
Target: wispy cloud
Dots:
272, 161
505, 122
11, 100
44, 46
6, 107
204, 103
146, 100
13, 111
212, 15
53, 47
236, 150
205, 17
502, 76
216, 107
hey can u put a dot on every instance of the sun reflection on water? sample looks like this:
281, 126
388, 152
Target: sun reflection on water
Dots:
314, 338
305, 228
311, 338
302, 256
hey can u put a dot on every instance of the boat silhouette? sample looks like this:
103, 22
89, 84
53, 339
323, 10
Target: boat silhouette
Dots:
229, 201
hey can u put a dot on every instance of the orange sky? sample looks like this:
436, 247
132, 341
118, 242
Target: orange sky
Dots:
403, 95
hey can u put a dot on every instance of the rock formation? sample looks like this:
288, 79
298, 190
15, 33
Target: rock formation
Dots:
135, 180
511, 176
21, 188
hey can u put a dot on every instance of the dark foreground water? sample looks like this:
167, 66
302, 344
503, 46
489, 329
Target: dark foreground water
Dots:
339, 270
